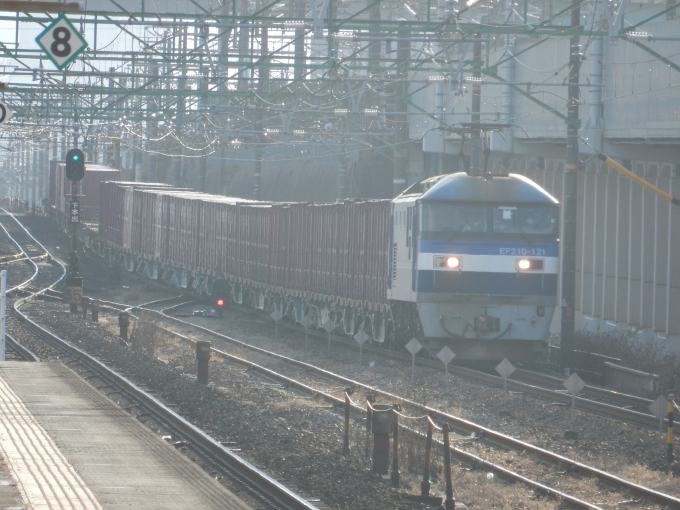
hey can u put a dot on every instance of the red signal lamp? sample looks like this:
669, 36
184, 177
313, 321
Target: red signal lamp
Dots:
220, 302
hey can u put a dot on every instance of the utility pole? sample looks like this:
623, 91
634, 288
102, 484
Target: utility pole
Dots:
75, 167
152, 130
203, 109
342, 173
33, 179
475, 135
181, 110
569, 205
258, 148
243, 49
400, 117
300, 60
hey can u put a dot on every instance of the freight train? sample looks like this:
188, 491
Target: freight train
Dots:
461, 261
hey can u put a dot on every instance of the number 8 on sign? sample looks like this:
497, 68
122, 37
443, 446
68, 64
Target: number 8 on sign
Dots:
60, 47
61, 41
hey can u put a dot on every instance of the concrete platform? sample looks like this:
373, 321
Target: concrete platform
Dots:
65, 445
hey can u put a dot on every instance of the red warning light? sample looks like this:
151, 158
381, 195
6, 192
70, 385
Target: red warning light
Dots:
220, 302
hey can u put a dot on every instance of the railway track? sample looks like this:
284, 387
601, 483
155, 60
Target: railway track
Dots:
458, 424
259, 484
623, 400
540, 385
532, 383
462, 426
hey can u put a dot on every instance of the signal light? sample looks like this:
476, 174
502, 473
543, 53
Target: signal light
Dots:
75, 165
220, 295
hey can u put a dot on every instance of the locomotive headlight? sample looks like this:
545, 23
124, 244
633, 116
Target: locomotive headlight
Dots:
448, 261
453, 262
529, 264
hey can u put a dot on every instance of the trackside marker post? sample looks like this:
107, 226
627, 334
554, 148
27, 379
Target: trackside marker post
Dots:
84, 304
345, 435
203, 360
506, 369
276, 315
574, 384
94, 306
658, 409
369, 420
671, 405
123, 323
446, 356
3, 314
413, 347
329, 326
306, 323
425, 484
395, 445
361, 338
381, 426
450, 502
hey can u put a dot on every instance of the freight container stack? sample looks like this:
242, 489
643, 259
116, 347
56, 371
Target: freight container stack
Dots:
88, 188
337, 250
113, 213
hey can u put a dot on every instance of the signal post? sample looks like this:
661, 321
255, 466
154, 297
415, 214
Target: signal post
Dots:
75, 171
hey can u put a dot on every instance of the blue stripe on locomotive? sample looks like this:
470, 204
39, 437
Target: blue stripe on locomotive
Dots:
486, 247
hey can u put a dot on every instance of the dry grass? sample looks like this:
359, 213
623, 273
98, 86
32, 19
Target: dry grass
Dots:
474, 487
635, 352
148, 338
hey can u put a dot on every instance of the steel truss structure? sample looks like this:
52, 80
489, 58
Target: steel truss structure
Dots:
194, 79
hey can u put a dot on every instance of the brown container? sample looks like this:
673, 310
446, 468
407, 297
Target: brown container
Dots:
335, 249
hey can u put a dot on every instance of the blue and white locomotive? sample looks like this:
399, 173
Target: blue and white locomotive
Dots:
474, 265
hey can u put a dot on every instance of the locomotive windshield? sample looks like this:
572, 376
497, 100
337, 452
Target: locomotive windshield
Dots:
540, 220
443, 217
445, 221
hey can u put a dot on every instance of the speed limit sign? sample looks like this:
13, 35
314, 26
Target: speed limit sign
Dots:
61, 42
5, 113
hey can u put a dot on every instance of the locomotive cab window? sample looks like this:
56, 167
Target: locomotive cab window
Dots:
443, 220
539, 220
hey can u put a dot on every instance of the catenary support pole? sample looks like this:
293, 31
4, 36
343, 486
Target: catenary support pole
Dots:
400, 117
569, 203
476, 135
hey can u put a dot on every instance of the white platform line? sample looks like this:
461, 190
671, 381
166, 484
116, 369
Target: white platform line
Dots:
45, 478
